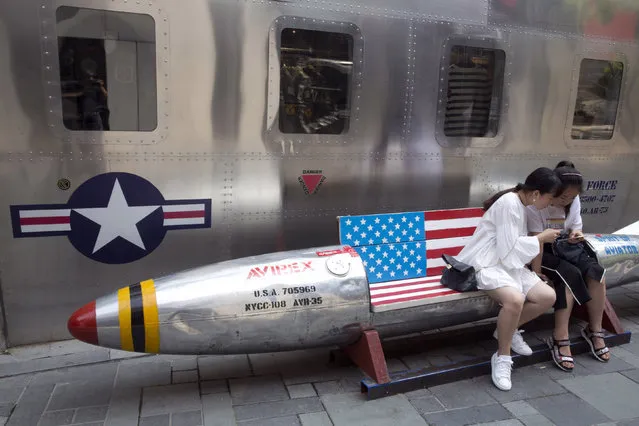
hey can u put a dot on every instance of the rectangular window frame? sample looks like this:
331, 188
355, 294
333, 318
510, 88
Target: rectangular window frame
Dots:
476, 41
52, 84
272, 132
603, 55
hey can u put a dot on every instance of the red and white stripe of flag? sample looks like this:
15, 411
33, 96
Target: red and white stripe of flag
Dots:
447, 232
408, 291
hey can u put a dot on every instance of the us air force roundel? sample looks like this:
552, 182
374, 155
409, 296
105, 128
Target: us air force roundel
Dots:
112, 218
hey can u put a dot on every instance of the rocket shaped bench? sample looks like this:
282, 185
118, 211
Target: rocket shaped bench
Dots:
384, 276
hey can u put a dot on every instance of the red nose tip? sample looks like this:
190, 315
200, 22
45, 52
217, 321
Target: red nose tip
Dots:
82, 324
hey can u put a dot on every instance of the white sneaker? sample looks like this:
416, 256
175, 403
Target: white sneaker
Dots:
501, 368
518, 344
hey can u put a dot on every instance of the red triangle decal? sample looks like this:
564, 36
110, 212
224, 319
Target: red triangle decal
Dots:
311, 182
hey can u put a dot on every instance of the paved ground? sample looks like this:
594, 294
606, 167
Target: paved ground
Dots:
72, 383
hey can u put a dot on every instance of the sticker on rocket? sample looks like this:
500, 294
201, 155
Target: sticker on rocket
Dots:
311, 180
112, 218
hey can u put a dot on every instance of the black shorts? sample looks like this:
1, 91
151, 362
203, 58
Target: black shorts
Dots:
573, 276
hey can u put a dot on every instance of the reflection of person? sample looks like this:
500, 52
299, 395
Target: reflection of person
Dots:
93, 98
500, 250
582, 281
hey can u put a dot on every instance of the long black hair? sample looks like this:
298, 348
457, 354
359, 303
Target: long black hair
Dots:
542, 179
569, 176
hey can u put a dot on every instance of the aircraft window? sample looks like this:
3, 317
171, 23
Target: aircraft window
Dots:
473, 102
107, 69
315, 77
598, 93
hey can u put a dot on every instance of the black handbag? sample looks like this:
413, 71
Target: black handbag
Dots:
458, 276
570, 252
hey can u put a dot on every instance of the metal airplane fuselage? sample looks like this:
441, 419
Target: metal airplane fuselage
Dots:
284, 301
142, 138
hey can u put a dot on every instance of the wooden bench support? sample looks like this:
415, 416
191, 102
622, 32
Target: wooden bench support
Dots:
368, 355
610, 319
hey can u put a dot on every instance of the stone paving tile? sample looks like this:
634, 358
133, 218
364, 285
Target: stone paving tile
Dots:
466, 416
278, 421
567, 410
592, 366
520, 408
158, 420
124, 407
272, 409
394, 365
80, 394
143, 374
318, 373
536, 420
217, 410
90, 414
188, 376
426, 405
3, 421
12, 387
315, 419
56, 418
289, 361
223, 367
303, 390
625, 355
465, 393
614, 395
41, 364
187, 418
526, 383
418, 393
171, 398
90, 424
184, 362
510, 422
251, 390
6, 408
213, 386
328, 388
417, 361
634, 422
354, 409
31, 405
104, 372
632, 374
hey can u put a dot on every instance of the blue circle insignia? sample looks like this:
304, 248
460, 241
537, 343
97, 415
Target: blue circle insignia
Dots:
116, 218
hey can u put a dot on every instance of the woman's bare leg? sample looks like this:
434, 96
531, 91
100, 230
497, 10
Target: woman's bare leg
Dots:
512, 302
562, 320
539, 299
595, 306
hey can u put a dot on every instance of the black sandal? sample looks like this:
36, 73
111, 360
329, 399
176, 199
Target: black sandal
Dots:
557, 357
588, 334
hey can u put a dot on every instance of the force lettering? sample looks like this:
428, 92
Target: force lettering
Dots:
277, 270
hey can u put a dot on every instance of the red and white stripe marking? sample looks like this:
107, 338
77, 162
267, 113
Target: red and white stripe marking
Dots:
56, 220
184, 214
408, 290
447, 232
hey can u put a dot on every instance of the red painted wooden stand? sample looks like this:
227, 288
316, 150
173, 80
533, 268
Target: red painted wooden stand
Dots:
368, 355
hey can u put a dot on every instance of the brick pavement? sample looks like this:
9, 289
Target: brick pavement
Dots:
70, 383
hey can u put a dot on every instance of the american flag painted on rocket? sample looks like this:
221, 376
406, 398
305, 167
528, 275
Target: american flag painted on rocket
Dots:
402, 251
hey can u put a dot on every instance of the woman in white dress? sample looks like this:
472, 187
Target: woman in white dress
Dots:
500, 251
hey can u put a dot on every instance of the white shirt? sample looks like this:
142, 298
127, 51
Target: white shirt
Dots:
501, 238
555, 218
